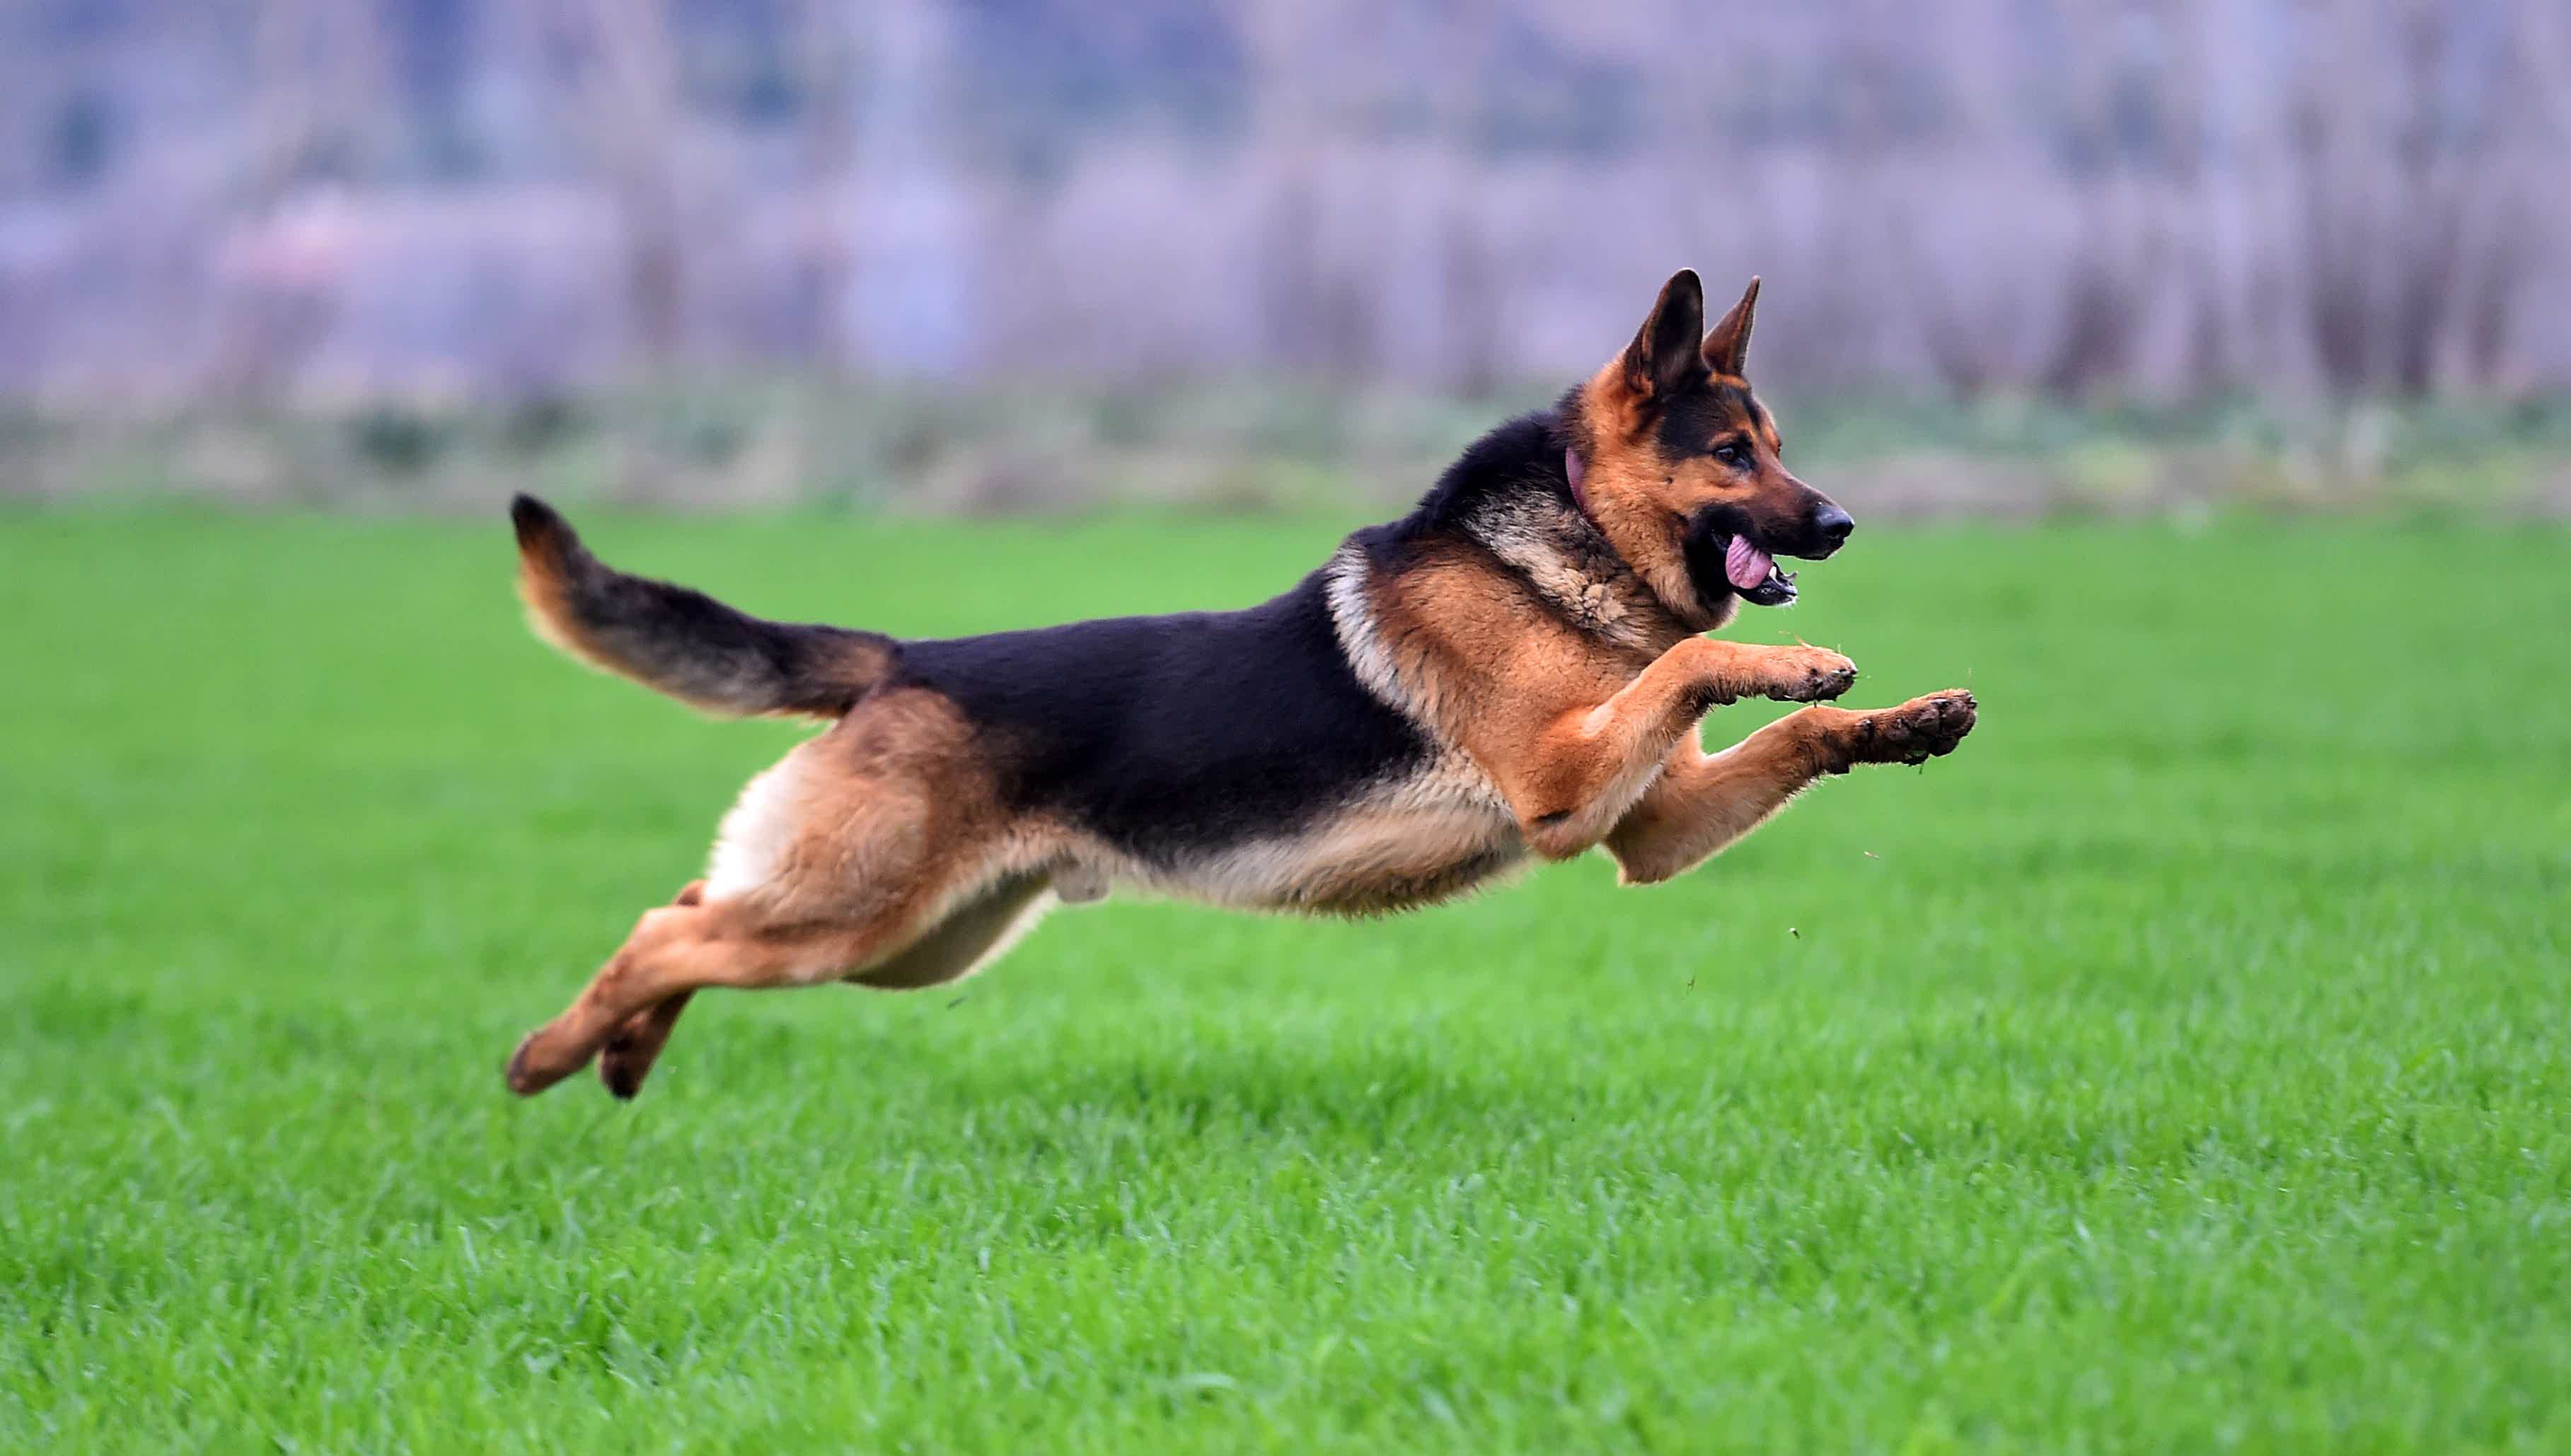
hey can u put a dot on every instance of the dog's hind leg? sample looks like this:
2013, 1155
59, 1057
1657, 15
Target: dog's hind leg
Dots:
1701, 803
629, 1054
847, 854
631, 1051
971, 936
904, 940
680, 949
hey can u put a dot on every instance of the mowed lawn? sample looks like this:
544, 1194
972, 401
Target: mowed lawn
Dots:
2183, 1065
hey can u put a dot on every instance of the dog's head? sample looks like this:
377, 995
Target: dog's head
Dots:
1677, 463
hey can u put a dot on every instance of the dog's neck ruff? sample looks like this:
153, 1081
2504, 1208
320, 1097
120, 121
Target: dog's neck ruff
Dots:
1564, 556
1693, 615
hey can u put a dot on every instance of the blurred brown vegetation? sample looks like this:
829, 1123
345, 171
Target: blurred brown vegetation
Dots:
538, 217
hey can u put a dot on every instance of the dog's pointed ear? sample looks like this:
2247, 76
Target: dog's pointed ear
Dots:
1727, 349
1663, 354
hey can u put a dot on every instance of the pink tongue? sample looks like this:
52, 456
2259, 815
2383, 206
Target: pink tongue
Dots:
1747, 565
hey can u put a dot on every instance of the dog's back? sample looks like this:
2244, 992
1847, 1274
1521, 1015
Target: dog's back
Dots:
1171, 739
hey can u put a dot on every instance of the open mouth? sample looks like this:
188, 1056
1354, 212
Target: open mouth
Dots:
1753, 574
1728, 555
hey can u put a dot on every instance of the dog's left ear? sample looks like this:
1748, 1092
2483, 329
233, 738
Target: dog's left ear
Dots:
1727, 349
1663, 355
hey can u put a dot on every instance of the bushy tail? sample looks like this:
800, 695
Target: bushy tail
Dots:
684, 643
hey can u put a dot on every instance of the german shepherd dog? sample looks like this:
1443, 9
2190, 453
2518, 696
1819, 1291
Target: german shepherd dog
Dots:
1514, 669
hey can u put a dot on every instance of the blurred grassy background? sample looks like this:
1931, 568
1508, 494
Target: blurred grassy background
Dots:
704, 440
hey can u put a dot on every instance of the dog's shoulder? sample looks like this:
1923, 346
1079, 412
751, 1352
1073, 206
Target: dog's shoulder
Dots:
1506, 507
1496, 578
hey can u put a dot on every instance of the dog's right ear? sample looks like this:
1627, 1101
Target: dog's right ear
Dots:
1665, 356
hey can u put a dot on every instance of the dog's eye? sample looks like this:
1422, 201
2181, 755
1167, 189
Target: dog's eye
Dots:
1731, 453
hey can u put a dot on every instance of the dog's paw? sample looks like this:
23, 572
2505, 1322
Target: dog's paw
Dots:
1917, 732
1807, 675
534, 1065
623, 1065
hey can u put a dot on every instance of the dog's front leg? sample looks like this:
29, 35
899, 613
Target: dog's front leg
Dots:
1587, 765
1701, 804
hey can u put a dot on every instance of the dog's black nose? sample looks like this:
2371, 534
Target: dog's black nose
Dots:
1832, 526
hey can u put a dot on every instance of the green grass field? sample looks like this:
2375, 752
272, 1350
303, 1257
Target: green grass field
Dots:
2183, 1065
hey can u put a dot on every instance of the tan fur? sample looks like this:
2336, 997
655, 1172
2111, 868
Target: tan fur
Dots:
1549, 651
1702, 802
872, 835
1426, 842
1641, 501
545, 592
1569, 729
1559, 674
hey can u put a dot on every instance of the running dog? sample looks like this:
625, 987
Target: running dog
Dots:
1513, 670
